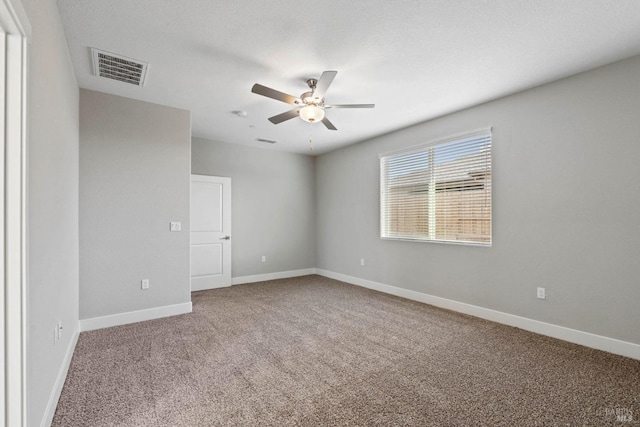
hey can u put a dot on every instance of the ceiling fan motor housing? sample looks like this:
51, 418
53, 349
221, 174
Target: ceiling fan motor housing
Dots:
309, 99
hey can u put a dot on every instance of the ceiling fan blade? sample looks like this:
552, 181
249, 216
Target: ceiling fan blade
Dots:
328, 124
351, 106
323, 84
285, 116
274, 94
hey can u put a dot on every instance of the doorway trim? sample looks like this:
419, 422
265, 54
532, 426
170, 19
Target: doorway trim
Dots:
15, 32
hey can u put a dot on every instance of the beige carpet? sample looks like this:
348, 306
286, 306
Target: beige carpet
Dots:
313, 351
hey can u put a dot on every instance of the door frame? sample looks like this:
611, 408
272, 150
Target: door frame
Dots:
15, 33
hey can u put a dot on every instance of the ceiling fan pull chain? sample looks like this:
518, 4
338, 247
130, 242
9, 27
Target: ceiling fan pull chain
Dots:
310, 137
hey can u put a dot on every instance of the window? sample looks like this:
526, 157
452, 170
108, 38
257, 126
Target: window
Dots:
439, 191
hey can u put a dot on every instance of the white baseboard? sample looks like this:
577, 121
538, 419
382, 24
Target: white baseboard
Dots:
134, 316
587, 339
50, 410
272, 276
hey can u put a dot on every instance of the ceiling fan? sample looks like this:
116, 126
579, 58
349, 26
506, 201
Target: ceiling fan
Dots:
310, 106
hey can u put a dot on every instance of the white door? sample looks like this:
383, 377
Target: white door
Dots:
210, 232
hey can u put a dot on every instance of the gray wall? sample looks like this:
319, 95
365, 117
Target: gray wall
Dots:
566, 205
53, 203
273, 207
134, 179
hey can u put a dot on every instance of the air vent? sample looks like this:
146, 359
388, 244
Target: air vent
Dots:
268, 141
117, 67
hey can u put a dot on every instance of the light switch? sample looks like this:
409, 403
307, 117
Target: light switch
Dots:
175, 226
541, 293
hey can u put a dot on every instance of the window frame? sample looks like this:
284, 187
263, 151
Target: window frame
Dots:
424, 147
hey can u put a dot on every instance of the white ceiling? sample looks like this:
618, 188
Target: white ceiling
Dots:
415, 59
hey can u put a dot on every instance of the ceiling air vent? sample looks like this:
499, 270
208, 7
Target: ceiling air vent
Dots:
268, 141
117, 67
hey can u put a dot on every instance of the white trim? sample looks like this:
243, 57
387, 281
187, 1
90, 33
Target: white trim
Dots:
587, 339
207, 178
16, 29
134, 316
13, 18
50, 411
272, 276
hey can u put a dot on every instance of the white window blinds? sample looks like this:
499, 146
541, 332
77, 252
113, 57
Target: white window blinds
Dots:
439, 191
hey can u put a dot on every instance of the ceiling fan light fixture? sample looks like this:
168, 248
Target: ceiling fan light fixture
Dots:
311, 113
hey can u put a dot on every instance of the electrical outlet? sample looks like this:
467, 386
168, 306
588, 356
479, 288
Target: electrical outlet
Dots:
264, 258
542, 294
145, 283
175, 226
361, 261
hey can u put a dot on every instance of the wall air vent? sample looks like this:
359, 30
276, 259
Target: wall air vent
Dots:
118, 67
268, 141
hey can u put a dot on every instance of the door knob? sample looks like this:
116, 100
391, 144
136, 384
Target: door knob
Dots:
225, 238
